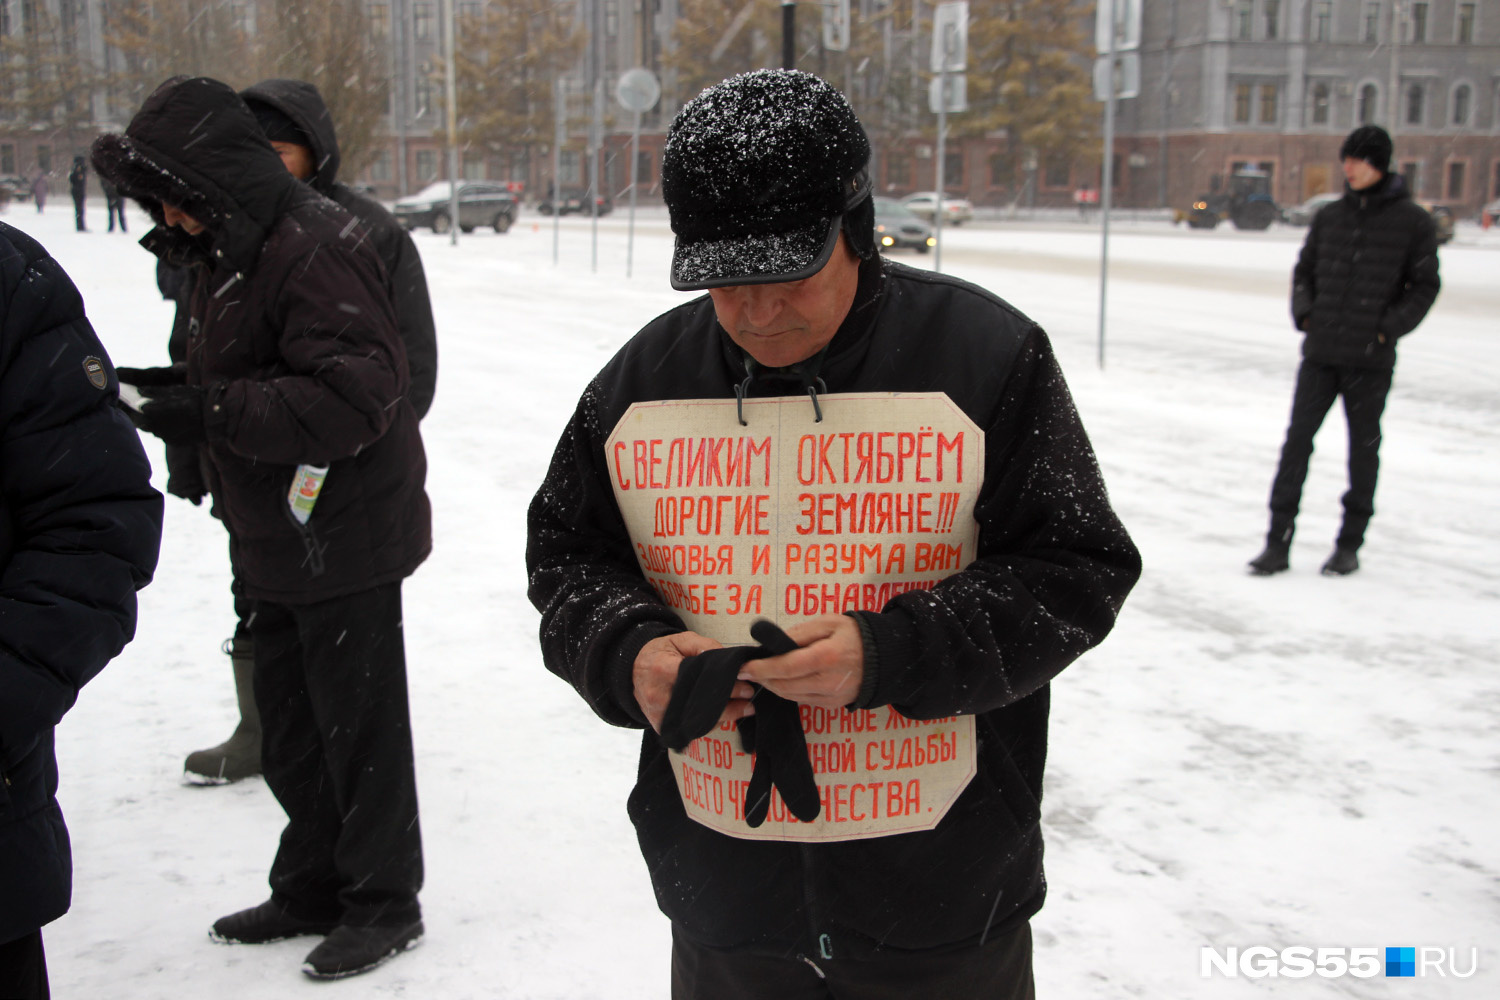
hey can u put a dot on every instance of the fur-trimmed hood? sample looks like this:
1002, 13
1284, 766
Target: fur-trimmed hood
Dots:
194, 144
303, 104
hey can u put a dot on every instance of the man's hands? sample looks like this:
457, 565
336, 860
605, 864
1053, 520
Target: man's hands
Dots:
173, 413
655, 672
825, 672
143, 377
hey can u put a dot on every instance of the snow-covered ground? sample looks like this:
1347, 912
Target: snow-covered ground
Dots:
1295, 761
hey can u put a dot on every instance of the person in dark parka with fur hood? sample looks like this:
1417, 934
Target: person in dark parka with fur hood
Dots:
293, 360
79, 530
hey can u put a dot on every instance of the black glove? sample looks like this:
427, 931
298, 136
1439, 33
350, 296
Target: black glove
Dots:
173, 413
774, 733
184, 474
143, 377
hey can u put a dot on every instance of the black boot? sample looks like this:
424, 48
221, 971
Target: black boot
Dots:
1343, 562
348, 951
239, 756
1274, 558
265, 923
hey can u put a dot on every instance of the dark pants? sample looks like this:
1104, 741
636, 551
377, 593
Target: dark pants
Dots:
78, 212
23, 969
116, 207
999, 969
1364, 391
330, 683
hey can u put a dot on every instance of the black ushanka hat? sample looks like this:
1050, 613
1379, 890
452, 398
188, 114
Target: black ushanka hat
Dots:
757, 173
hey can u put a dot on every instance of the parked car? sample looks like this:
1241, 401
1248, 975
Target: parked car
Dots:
956, 211
1442, 217
896, 228
480, 203
1302, 215
1490, 214
13, 188
573, 200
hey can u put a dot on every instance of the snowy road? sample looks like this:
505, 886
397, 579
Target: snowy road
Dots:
1296, 761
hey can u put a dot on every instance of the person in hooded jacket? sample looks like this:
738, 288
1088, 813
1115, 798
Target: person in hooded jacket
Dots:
80, 527
78, 183
776, 449
294, 365
1366, 277
297, 123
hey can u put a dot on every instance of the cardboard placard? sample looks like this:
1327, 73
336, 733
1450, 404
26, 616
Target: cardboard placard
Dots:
787, 518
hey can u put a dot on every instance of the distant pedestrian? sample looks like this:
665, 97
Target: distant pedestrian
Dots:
39, 191
78, 183
1367, 275
114, 204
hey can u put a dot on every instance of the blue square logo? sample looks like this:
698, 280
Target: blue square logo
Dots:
1401, 961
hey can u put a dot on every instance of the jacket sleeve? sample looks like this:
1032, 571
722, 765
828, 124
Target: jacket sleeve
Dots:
1419, 281
597, 609
1054, 566
80, 524
1304, 277
414, 321
347, 369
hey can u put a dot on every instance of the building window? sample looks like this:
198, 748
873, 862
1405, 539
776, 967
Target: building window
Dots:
1366, 109
1322, 20
1465, 23
1320, 104
422, 22
1415, 96
1496, 190
380, 170
1461, 98
642, 167
1268, 92
1412, 171
380, 19
1244, 19
953, 170
570, 161
426, 165
473, 167
1419, 22
1272, 11
7, 159
44, 159
1372, 23
1242, 102
1002, 170
898, 172
1456, 181
1058, 172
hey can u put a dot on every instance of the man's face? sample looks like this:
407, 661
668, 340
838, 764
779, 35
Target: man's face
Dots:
1359, 173
177, 217
789, 321
296, 157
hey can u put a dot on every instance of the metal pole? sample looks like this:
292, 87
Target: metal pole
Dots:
1107, 195
635, 155
452, 82
942, 149
788, 34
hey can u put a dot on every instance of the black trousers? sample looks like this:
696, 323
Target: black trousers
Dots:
1364, 391
115, 208
999, 969
23, 969
330, 683
78, 213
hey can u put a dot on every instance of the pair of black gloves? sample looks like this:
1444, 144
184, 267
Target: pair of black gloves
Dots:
774, 733
173, 411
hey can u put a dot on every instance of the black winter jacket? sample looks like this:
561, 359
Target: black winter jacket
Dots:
293, 337
1054, 566
303, 104
1366, 276
79, 531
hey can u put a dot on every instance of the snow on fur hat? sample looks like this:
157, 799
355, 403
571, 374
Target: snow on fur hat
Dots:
758, 173
1370, 143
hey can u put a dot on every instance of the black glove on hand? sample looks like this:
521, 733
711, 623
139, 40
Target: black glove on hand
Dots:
144, 377
773, 733
173, 413
184, 476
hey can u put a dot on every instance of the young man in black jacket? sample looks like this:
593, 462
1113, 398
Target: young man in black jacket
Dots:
1366, 277
293, 366
80, 527
887, 464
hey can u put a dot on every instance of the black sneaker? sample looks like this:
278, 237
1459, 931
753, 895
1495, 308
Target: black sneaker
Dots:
263, 924
348, 951
1273, 559
1341, 563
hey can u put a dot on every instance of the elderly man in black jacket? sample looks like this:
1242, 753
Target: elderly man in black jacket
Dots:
1366, 277
79, 530
295, 393
886, 463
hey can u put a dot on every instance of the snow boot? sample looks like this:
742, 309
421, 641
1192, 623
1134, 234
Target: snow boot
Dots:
348, 951
265, 923
239, 756
1341, 563
1274, 558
